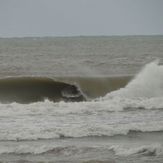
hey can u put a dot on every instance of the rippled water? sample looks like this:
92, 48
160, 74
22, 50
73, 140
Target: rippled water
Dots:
78, 56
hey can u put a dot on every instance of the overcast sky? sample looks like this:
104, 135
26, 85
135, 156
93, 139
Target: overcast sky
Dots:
19, 18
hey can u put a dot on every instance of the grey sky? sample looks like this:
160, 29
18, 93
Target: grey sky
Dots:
80, 17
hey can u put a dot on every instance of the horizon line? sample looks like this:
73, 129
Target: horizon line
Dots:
71, 36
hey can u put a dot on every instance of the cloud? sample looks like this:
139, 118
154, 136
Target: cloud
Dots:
80, 17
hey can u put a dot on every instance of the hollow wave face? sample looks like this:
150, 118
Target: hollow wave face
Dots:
33, 89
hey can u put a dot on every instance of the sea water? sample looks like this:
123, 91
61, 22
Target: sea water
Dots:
118, 120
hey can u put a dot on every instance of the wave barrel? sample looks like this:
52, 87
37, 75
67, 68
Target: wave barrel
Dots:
33, 89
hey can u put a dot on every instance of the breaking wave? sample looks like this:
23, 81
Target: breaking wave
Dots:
33, 89
147, 84
153, 149
136, 107
146, 150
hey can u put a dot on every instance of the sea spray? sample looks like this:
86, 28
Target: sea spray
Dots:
147, 84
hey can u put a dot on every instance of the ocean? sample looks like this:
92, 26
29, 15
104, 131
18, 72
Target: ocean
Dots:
81, 99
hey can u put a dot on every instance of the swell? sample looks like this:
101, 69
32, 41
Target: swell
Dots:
33, 89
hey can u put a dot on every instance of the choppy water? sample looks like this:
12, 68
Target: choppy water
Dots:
118, 117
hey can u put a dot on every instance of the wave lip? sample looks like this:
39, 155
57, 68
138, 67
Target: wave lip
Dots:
33, 89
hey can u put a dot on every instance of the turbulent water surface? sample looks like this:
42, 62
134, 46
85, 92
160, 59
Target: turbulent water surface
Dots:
81, 99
